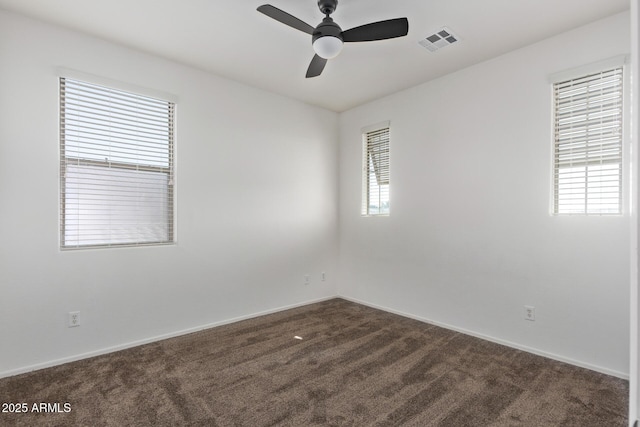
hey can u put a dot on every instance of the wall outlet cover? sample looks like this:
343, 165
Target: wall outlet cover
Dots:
74, 319
529, 312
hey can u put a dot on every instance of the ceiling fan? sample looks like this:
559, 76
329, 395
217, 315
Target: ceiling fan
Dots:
328, 37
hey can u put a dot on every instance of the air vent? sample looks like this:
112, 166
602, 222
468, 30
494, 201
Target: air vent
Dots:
439, 39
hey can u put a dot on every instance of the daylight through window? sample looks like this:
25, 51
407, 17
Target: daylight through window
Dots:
588, 144
375, 192
116, 167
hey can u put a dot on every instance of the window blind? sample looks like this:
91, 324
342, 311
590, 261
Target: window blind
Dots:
116, 167
375, 194
588, 144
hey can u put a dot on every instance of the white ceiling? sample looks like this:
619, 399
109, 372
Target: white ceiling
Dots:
231, 39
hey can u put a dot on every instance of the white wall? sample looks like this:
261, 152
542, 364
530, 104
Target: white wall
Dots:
256, 206
470, 240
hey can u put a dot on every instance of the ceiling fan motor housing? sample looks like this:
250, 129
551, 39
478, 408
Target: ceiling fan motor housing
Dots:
327, 6
327, 28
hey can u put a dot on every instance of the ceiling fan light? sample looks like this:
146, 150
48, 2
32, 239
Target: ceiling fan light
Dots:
327, 47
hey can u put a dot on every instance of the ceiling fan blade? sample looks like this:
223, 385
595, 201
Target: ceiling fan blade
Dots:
316, 66
285, 18
381, 30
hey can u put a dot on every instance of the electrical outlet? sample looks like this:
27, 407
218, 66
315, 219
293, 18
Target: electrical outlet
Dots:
306, 279
74, 319
323, 276
530, 313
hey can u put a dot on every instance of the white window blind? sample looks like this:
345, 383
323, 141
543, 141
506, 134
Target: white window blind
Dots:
588, 144
116, 167
375, 179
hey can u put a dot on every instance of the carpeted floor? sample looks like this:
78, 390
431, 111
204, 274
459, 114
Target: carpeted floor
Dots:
354, 366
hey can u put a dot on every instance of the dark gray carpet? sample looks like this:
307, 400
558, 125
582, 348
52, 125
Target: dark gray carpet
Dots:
355, 366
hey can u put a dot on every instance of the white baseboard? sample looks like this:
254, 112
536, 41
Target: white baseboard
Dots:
125, 346
532, 350
136, 343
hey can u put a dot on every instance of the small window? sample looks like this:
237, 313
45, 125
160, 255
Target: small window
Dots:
588, 144
116, 167
375, 177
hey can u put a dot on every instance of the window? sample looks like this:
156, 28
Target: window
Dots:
588, 144
116, 167
375, 177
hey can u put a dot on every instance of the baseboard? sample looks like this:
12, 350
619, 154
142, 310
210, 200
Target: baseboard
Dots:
517, 346
125, 346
